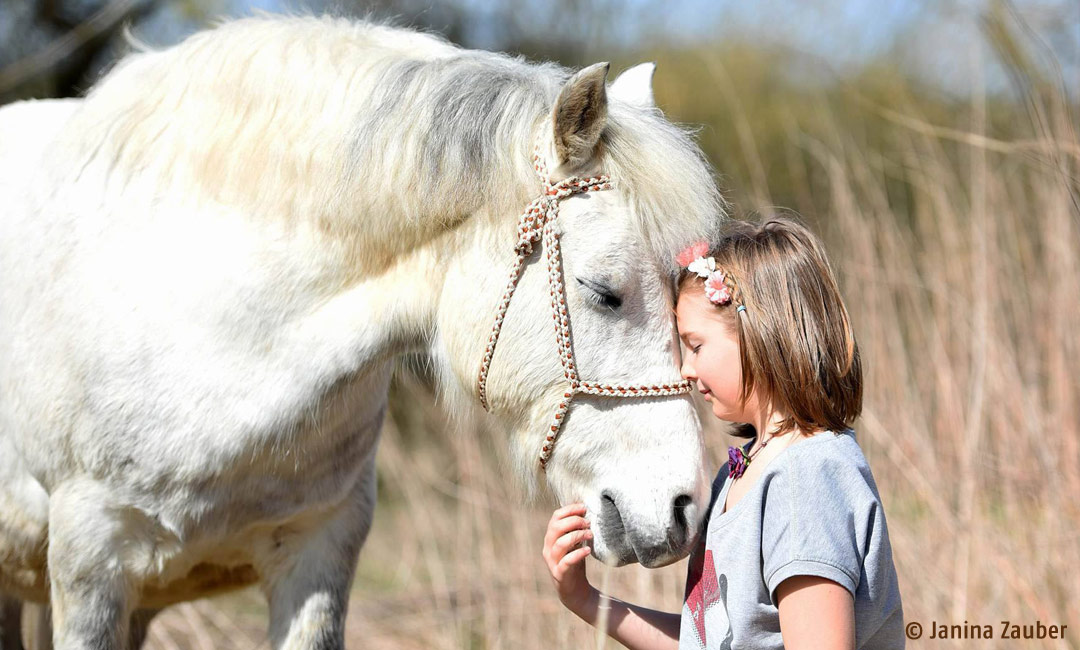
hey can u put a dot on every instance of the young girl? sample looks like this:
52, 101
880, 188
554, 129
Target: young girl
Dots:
794, 551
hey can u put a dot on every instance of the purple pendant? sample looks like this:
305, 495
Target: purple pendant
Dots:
737, 462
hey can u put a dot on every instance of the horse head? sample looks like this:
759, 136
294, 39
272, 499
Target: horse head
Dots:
586, 318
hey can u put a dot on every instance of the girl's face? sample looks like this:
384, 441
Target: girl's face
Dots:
711, 356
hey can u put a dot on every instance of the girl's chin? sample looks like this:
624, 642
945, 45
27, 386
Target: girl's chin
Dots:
722, 412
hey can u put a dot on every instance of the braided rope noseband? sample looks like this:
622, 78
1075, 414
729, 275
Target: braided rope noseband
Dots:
537, 222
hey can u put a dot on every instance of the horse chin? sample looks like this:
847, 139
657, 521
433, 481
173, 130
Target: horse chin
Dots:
624, 554
618, 556
656, 562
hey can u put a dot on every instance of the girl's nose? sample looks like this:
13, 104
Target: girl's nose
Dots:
687, 370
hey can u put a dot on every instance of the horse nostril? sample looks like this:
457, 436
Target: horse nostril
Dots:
610, 519
681, 530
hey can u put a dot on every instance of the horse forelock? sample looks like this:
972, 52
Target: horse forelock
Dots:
667, 179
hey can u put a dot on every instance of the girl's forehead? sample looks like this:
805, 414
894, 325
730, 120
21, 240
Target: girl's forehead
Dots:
692, 306
695, 314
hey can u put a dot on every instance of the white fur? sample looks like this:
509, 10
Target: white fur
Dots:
634, 85
208, 265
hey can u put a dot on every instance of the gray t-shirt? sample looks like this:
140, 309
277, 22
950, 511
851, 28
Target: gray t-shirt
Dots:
814, 511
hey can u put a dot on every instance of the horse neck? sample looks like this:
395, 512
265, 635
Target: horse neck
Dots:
398, 297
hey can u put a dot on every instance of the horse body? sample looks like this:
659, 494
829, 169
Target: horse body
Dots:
197, 328
25, 130
179, 406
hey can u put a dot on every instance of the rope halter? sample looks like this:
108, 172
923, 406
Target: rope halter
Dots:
538, 223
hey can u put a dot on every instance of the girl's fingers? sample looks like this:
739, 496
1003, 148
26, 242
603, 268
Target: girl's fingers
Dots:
569, 562
574, 557
568, 542
555, 551
558, 527
564, 521
569, 509
564, 526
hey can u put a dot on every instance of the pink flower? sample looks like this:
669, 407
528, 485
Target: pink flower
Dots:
716, 291
692, 252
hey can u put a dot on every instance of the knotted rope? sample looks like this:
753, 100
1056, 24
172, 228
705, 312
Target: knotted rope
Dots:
538, 223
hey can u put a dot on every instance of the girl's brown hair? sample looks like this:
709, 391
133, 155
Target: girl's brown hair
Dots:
795, 338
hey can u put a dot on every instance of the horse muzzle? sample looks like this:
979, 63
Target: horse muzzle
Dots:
625, 539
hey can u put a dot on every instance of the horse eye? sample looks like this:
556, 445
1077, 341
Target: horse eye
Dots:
601, 294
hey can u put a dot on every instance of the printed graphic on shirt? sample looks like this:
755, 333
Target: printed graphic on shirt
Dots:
704, 592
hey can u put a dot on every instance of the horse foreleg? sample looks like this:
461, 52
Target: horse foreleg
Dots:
10, 626
309, 600
38, 628
90, 586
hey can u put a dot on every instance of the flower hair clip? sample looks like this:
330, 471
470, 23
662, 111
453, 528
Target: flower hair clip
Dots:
716, 291
693, 258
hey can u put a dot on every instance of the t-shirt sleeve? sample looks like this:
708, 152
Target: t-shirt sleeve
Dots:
818, 517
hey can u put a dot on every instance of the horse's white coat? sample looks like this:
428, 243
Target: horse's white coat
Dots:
208, 265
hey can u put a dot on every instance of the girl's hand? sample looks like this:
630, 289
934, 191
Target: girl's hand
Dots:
565, 552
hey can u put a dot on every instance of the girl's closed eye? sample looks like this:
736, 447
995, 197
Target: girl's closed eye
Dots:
691, 342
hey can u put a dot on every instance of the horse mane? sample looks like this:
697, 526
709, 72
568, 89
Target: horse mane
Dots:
383, 136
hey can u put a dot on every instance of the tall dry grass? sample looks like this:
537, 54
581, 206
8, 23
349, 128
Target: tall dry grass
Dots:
958, 251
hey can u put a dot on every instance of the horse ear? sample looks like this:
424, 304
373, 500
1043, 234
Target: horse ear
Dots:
634, 85
580, 114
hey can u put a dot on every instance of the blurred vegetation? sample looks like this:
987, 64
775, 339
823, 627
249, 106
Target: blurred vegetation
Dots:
952, 214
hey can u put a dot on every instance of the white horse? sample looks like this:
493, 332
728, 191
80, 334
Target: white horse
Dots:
208, 265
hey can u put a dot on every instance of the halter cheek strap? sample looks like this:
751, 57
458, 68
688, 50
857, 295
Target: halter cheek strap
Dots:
538, 223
